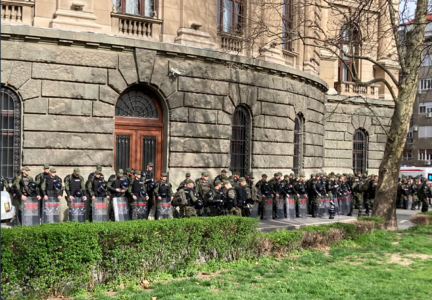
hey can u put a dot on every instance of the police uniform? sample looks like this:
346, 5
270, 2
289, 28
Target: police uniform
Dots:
231, 200
264, 189
162, 189
21, 187
188, 210
202, 188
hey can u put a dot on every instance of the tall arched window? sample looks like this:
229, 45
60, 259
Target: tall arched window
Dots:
350, 41
360, 151
298, 144
240, 140
10, 133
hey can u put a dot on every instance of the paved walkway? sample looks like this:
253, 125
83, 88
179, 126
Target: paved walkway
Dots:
403, 217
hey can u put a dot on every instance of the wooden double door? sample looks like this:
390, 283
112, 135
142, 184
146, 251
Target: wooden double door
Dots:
138, 132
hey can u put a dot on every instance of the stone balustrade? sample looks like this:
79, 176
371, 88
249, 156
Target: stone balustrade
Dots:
17, 12
351, 89
135, 26
231, 43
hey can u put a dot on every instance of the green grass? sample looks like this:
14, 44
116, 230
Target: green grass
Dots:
373, 266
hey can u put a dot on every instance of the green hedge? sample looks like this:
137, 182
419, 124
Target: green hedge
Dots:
62, 258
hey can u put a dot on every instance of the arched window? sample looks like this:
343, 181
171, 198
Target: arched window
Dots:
360, 151
10, 133
136, 104
350, 43
298, 144
240, 140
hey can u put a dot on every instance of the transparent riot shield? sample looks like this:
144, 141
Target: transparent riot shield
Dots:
343, 206
30, 212
254, 210
121, 211
321, 206
139, 209
349, 201
100, 209
77, 210
336, 205
302, 206
164, 211
268, 207
326, 207
291, 207
410, 202
280, 213
51, 210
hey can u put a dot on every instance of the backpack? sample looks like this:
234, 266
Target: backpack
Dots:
179, 198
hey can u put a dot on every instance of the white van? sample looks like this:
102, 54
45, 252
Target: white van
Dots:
7, 209
416, 171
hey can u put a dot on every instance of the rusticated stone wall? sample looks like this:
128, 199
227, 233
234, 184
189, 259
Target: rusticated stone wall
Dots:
70, 82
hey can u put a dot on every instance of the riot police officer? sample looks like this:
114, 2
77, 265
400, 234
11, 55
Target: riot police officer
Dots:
230, 197
96, 188
48, 187
188, 210
135, 191
264, 188
319, 191
216, 200
149, 180
115, 186
24, 186
203, 186
98, 168
287, 189
163, 189
73, 183
219, 177
243, 197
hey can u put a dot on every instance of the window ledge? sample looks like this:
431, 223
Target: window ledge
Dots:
289, 53
230, 35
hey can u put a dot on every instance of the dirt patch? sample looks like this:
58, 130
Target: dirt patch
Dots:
421, 256
398, 259
207, 276
395, 243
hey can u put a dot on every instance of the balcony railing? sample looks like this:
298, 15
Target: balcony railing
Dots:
231, 43
17, 12
135, 26
351, 89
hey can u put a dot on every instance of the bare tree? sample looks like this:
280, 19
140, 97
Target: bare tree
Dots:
381, 32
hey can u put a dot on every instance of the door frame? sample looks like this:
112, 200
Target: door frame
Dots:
138, 125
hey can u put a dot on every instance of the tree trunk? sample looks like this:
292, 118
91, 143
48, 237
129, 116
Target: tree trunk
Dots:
385, 198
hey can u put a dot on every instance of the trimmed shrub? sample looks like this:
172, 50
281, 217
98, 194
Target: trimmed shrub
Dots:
63, 258
421, 219
284, 241
378, 221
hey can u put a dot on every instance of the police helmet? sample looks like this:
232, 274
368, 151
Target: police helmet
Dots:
143, 193
209, 194
57, 185
78, 194
32, 185
199, 204
124, 184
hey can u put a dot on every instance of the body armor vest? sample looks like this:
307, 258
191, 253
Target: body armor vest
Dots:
241, 197
164, 189
24, 187
74, 184
265, 188
299, 187
137, 186
96, 184
287, 188
49, 186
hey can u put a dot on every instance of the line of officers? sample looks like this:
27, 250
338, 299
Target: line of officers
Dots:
224, 195
414, 193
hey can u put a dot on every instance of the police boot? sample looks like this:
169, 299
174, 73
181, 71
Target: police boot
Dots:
350, 212
425, 208
261, 212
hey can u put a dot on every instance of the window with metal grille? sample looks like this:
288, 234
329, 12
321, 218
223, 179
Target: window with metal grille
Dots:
10, 133
136, 104
122, 151
240, 141
298, 145
359, 151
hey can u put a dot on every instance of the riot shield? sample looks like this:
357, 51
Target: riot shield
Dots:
51, 210
410, 202
326, 206
268, 207
321, 206
139, 209
30, 212
164, 211
280, 207
336, 205
291, 207
77, 210
349, 202
254, 210
343, 206
100, 208
302, 207
121, 211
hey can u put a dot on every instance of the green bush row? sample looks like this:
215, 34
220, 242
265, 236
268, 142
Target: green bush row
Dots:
64, 258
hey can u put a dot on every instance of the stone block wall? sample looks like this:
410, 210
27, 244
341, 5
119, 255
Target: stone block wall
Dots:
69, 85
343, 117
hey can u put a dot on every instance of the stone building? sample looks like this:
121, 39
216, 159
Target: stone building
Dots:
125, 83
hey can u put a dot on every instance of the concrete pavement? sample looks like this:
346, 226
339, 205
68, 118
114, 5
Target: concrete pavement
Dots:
403, 217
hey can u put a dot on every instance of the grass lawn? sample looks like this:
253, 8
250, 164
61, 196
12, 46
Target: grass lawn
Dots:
381, 265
